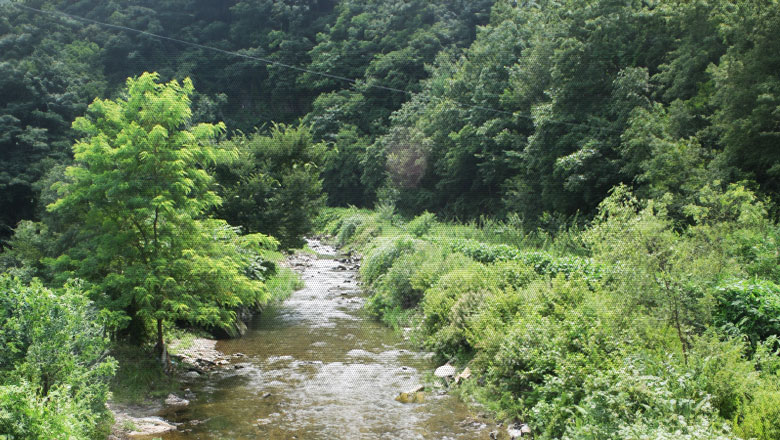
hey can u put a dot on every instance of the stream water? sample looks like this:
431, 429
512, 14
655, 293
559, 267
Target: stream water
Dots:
316, 368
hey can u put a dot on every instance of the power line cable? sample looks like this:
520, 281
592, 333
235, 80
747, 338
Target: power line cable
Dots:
288, 66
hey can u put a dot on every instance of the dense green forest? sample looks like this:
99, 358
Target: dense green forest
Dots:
578, 199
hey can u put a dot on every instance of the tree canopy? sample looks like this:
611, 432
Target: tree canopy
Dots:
140, 188
273, 185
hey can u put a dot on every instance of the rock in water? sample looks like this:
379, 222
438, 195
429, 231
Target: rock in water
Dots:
411, 397
444, 371
191, 375
147, 426
417, 389
403, 398
175, 401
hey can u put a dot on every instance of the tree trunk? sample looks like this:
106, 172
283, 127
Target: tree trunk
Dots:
160, 346
135, 332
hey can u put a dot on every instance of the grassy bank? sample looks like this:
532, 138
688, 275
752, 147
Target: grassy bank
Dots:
635, 327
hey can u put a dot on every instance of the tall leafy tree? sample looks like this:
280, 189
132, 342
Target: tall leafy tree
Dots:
748, 94
139, 189
47, 76
380, 45
273, 186
461, 115
602, 54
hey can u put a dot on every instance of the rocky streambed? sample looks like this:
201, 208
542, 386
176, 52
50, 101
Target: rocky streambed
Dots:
315, 367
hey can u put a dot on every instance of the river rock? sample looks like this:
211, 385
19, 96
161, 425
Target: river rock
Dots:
147, 426
517, 431
416, 397
175, 401
445, 371
191, 375
465, 374
417, 389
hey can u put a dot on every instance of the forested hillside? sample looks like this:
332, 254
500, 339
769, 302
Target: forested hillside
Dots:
54, 66
612, 136
527, 108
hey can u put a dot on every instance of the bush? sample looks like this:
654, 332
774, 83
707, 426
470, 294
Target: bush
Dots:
396, 286
371, 228
436, 262
446, 305
404, 284
272, 183
557, 336
379, 259
566, 369
348, 227
54, 370
483, 252
421, 224
393, 290
758, 415
542, 262
759, 418
752, 307
324, 222
643, 398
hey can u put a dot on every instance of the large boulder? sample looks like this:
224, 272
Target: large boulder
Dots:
445, 371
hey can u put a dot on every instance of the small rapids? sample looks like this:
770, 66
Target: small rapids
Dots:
315, 367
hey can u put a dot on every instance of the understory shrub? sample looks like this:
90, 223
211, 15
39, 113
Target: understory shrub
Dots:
644, 398
759, 417
383, 254
402, 285
54, 370
421, 224
348, 227
542, 262
752, 307
448, 303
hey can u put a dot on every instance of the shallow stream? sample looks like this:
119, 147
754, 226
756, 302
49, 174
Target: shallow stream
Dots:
315, 367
